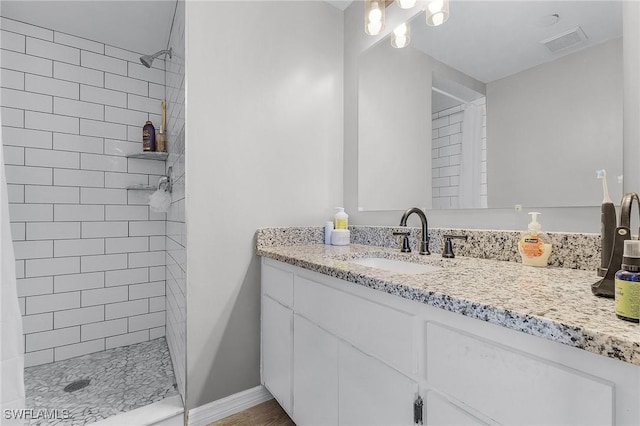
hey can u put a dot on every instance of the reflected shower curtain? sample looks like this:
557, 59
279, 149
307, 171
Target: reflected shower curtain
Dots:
471, 157
11, 339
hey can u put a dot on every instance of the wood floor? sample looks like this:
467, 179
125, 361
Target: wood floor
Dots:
266, 414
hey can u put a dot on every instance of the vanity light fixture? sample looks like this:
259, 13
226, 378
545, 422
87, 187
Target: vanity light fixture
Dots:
374, 16
401, 35
437, 12
406, 4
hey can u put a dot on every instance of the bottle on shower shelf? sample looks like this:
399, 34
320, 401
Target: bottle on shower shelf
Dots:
148, 137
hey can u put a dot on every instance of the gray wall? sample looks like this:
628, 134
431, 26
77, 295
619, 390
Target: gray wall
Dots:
551, 126
264, 131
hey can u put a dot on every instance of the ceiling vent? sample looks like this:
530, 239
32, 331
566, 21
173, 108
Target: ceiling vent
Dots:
566, 40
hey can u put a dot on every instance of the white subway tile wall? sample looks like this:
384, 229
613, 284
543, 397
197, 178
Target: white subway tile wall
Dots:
445, 157
87, 249
176, 243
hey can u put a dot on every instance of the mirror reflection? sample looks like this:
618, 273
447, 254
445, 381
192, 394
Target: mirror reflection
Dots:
506, 103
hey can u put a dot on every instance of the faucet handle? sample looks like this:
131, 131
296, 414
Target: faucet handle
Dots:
448, 245
405, 241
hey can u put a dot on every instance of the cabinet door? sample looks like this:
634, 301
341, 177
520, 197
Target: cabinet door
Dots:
513, 387
315, 375
440, 412
372, 393
277, 347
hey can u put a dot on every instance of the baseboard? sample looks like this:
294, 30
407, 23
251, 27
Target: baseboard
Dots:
225, 407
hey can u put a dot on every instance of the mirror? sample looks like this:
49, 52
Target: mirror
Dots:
505, 104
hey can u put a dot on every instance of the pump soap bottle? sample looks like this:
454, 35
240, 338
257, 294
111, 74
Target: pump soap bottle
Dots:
341, 219
340, 236
533, 245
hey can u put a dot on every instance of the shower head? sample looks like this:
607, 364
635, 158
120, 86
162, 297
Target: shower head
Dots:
147, 60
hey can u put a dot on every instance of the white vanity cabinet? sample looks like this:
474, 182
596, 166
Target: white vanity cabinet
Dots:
337, 353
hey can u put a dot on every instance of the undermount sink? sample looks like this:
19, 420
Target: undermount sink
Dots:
394, 265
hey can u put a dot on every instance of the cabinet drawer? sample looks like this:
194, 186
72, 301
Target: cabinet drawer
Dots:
277, 351
510, 386
378, 330
277, 283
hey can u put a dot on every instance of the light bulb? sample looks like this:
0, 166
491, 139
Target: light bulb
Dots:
375, 15
400, 30
437, 12
437, 19
374, 28
400, 42
400, 36
406, 4
435, 6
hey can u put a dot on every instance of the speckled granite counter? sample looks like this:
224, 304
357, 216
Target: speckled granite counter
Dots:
552, 303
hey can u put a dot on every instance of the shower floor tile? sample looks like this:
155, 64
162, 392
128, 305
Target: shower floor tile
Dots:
122, 379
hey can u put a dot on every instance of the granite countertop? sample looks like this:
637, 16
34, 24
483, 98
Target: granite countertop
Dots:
552, 303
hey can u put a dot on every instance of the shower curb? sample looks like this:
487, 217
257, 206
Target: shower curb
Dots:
157, 413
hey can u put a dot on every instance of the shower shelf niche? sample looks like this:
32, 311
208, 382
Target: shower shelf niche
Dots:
150, 155
142, 187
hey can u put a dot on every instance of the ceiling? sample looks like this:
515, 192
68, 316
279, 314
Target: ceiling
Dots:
340, 4
440, 102
489, 40
140, 26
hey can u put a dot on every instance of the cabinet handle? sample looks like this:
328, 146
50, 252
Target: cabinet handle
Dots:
417, 411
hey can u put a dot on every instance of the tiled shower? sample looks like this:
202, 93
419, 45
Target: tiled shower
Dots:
446, 156
176, 241
97, 269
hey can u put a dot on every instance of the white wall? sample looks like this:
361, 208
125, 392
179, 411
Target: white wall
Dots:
176, 242
394, 89
631, 108
394, 133
264, 136
90, 254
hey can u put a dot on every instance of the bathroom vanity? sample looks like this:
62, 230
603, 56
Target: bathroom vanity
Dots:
474, 341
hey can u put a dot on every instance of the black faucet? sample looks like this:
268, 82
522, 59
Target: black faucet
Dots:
405, 241
424, 244
448, 245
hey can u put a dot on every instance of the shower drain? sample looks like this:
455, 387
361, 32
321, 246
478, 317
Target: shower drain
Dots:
77, 385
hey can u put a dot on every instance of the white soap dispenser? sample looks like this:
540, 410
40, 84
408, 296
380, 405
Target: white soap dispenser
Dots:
534, 246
